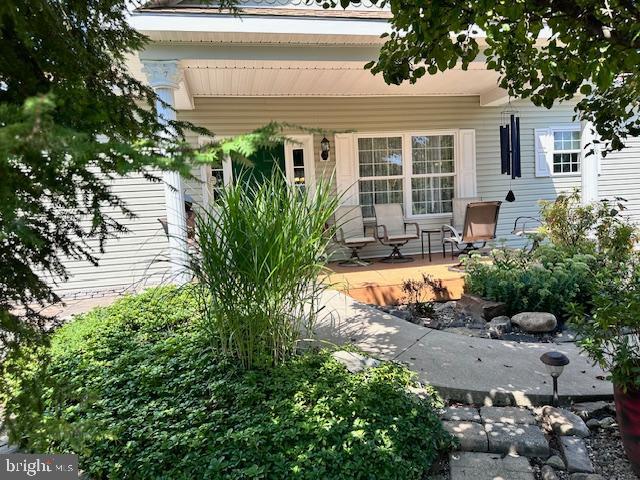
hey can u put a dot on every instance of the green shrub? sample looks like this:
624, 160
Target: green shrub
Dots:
137, 390
547, 281
610, 334
262, 250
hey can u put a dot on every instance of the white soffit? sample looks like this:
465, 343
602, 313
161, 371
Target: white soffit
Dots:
207, 78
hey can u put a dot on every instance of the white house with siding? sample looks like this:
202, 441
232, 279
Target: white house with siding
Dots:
286, 61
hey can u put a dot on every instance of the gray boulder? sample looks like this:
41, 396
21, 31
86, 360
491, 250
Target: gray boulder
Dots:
499, 326
535, 322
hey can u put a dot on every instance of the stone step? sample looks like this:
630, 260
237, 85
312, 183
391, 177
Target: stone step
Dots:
527, 440
489, 466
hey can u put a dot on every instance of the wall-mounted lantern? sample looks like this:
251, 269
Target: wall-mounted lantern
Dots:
324, 149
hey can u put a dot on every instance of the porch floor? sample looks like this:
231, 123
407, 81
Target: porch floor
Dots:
381, 283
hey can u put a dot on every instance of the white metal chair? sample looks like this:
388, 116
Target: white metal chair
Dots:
350, 232
391, 229
479, 225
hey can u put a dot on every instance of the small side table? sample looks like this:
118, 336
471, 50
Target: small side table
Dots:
428, 232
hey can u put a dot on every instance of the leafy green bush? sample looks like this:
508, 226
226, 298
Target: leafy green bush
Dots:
583, 240
609, 335
547, 281
262, 251
137, 390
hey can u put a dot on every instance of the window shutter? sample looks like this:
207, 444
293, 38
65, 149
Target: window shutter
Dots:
466, 165
544, 152
346, 177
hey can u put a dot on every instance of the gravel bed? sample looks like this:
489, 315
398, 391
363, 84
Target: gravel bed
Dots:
607, 455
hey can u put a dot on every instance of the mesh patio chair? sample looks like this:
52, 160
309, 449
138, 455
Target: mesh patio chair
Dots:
479, 226
351, 233
391, 229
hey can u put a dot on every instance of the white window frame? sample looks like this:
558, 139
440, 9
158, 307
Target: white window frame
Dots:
407, 167
565, 128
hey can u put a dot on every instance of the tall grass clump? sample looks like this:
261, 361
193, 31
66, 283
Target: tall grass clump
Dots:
262, 249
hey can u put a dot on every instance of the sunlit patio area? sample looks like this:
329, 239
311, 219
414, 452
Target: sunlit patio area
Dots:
381, 283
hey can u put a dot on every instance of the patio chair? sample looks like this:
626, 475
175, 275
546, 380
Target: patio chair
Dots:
528, 227
391, 229
480, 223
351, 233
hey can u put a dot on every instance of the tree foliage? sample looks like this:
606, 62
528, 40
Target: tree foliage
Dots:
593, 52
71, 118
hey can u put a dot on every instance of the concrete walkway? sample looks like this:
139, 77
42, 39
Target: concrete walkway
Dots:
465, 369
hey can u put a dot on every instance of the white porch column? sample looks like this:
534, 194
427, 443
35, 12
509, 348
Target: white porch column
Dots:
590, 168
164, 77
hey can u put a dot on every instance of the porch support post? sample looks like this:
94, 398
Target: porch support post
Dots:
590, 168
164, 77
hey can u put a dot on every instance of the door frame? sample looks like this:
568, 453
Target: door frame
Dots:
306, 143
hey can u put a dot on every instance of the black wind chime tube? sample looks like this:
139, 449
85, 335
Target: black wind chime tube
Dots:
515, 147
510, 150
505, 161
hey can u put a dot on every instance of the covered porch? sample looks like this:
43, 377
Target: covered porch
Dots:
306, 69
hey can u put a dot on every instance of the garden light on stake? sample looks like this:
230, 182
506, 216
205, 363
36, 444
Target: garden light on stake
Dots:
555, 363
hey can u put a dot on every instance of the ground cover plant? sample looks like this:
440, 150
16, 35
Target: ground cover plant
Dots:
138, 391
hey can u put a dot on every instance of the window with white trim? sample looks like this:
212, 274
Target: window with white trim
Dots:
432, 174
420, 165
380, 167
567, 151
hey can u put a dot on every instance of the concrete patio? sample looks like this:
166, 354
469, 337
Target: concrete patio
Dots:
464, 369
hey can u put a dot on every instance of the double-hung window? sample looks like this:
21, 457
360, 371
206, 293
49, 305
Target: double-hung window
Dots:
432, 174
380, 164
566, 151
415, 170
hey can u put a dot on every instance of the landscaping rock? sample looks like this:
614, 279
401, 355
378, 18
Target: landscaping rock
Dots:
527, 440
499, 326
461, 414
576, 455
555, 462
400, 313
479, 308
535, 321
593, 423
563, 422
608, 422
586, 476
354, 362
471, 435
432, 323
547, 473
507, 415
587, 410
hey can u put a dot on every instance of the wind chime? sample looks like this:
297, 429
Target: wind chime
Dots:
510, 146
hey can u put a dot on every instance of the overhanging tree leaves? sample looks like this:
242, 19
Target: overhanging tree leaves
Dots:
72, 117
594, 51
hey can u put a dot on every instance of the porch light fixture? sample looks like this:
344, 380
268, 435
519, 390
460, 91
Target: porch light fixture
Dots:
555, 363
324, 149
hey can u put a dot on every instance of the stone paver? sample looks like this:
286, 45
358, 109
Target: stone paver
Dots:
461, 414
489, 466
354, 362
576, 455
507, 415
471, 435
527, 440
564, 422
586, 410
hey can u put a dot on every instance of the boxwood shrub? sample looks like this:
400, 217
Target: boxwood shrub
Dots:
139, 392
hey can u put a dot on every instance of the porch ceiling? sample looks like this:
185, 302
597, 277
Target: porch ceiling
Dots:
319, 78
208, 78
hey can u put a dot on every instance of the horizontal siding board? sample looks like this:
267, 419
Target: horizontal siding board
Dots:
232, 116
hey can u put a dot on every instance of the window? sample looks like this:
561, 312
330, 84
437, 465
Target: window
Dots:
298, 169
380, 168
216, 182
423, 166
432, 175
566, 151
